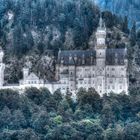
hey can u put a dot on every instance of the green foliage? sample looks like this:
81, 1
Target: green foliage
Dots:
58, 120
39, 115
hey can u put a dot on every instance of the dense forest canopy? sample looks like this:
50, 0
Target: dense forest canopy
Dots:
39, 115
47, 24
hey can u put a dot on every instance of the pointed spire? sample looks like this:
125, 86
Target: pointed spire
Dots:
101, 22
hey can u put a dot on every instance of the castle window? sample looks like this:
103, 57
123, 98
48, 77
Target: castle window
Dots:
121, 80
110, 81
120, 87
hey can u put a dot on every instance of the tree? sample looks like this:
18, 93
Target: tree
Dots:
18, 120
34, 95
92, 98
133, 35
69, 42
125, 25
6, 118
131, 131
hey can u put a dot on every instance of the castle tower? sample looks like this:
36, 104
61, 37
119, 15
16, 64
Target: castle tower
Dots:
25, 72
101, 44
26, 69
100, 56
2, 67
101, 34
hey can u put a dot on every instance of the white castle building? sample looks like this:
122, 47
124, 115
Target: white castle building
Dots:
101, 68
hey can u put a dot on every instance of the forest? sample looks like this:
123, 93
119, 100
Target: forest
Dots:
40, 115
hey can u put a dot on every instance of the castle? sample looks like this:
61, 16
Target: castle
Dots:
100, 68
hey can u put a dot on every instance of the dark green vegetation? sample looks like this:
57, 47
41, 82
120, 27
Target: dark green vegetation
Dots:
131, 8
39, 115
46, 24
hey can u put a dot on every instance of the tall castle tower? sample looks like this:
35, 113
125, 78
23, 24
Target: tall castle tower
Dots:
100, 56
2, 68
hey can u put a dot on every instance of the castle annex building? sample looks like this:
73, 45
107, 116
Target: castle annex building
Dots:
101, 68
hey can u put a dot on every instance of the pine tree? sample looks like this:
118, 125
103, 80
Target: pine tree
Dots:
125, 25
133, 34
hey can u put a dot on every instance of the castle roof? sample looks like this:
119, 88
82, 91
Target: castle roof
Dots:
32, 76
88, 57
77, 57
116, 56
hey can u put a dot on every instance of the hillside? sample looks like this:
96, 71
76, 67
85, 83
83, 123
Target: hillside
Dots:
129, 8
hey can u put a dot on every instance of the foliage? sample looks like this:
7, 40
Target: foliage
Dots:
39, 115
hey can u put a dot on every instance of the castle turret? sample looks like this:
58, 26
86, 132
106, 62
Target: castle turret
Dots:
100, 56
2, 67
101, 35
25, 72
101, 43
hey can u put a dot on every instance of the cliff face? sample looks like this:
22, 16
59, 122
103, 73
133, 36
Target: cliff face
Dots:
129, 8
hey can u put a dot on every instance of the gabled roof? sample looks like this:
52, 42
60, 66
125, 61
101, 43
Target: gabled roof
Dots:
32, 76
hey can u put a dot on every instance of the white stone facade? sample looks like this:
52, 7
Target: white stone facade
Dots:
103, 69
